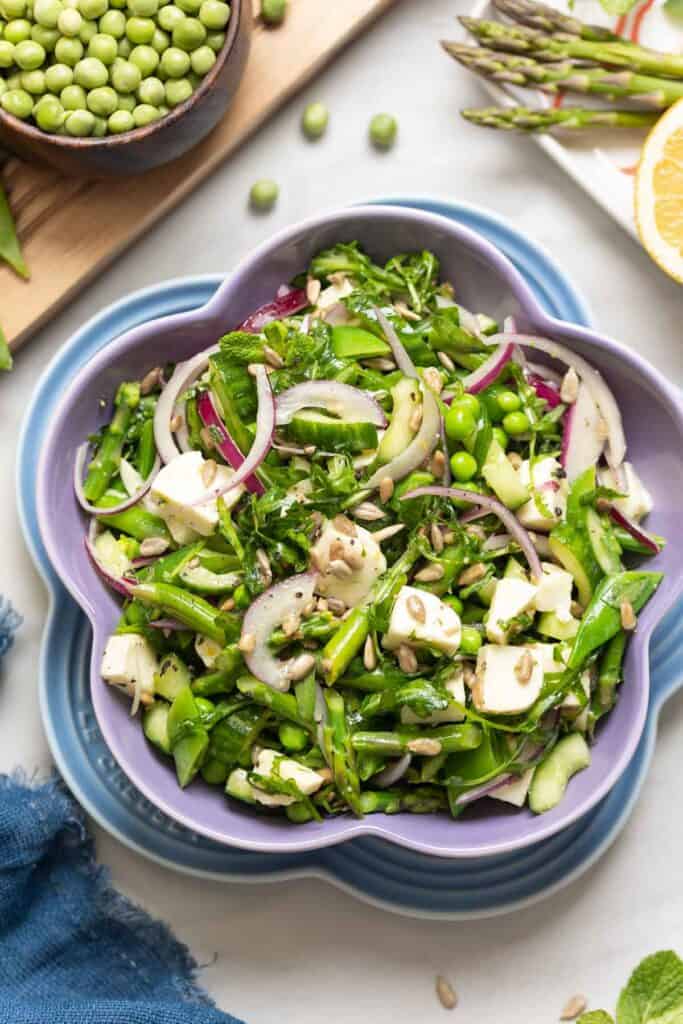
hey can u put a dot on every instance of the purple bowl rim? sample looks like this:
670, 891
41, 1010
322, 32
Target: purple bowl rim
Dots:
353, 828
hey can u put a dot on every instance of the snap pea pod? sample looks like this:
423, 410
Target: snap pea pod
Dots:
339, 752
168, 568
108, 456
5, 354
10, 250
370, 682
412, 799
136, 521
223, 679
190, 609
450, 738
610, 672
147, 451
188, 738
284, 705
230, 742
602, 618
627, 542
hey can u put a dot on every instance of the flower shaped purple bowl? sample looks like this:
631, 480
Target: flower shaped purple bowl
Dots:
484, 280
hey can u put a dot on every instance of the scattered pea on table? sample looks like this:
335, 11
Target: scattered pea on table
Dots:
273, 11
383, 131
314, 120
263, 195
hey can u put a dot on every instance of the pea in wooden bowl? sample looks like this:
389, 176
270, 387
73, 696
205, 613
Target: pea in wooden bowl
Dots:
155, 144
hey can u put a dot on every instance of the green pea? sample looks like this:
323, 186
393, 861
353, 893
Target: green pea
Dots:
47, 37
140, 30
501, 437
69, 22
47, 12
103, 101
263, 194
189, 34
177, 91
160, 41
6, 54
93, 9
70, 5
170, 16
516, 423
273, 11
143, 8
509, 401
48, 114
13, 9
460, 422
68, 51
57, 77
88, 31
214, 15
72, 97
463, 465
466, 485
125, 77
17, 31
151, 92
471, 640
120, 121
125, 48
113, 23
145, 59
79, 123
383, 130
126, 102
91, 73
202, 60
490, 398
144, 114
455, 603
104, 48
100, 127
174, 62
29, 55
13, 81
17, 102
189, 6
314, 120
292, 737
33, 82
216, 40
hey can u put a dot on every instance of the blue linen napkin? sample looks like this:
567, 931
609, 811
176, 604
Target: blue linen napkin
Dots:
72, 949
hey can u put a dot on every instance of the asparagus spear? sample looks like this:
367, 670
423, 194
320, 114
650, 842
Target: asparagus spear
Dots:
410, 739
523, 119
513, 69
414, 800
283, 704
545, 46
339, 752
106, 461
549, 19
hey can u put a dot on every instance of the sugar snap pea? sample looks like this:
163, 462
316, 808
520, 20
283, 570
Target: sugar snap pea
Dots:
603, 617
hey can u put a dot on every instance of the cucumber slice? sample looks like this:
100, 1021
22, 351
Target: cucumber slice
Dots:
206, 582
603, 542
407, 398
172, 677
514, 571
487, 325
329, 434
111, 554
238, 785
569, 756
189, 754
572, 549
356, 343
503, 478
548, 624
155, 725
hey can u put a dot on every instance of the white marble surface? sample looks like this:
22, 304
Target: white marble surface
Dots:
301, 950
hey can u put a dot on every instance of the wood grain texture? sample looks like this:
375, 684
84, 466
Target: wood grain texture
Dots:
71, 229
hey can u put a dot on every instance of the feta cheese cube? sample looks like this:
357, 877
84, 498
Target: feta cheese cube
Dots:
180, 483
498, 689
453, 713
129, 660
272, 763
548, 503
359, 551
555, 592
207, 649
511, 597
550, 655
441, 627
515, 791
638, 501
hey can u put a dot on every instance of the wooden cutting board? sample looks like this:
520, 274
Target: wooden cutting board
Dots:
71, 229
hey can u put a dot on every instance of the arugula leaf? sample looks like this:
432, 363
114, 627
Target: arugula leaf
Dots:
595, 1017
674, 8
5, 354
654, 993
413, 274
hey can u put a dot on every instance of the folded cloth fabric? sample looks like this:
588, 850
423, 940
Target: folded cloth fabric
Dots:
9, 623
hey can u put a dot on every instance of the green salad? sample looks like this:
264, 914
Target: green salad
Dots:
377, 553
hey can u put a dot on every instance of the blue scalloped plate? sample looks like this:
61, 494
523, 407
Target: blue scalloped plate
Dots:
378, 872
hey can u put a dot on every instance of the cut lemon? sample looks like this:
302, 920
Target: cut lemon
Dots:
659, 192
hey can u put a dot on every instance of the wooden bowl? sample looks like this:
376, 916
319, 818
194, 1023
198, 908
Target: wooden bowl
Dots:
155, 144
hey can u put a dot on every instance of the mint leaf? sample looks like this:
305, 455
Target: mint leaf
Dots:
674, 8
617, 6
595, 1017
654, 993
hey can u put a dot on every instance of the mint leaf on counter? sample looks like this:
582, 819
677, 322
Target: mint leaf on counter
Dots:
596, 1017
654, 993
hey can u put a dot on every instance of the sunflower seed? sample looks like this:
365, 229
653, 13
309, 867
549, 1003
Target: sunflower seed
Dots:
176, 423
368, 512
469, 677
576, 609
380, 363
437, 464
515, 460
388, 531
343, 524
325, 774
288, 449
574, 1007
309, 449
415, 419
369, 654
313, 289
353, 558
151, 380
448, 537
433, 379
436, 537
524, 667
405, 311
446, 361
309, 607
416, 608
228, 604
386, 489
264, 565
290, 624
569, 389
430, 574
340, 569
426, 747
318, 560
472, 574
301, 666
208, 472
337, 549
336, 605
475, 531
322, 604
247, 643
446, 993
628, 616
602, 505
273, 357
151, 546
407, 660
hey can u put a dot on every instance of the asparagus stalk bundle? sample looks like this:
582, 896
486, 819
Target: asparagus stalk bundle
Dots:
549, 19
524, 119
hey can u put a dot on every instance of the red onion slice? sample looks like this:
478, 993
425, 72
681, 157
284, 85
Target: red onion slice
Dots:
210, 417
420, 448
118, 583
183, 376
545, 374
393, 772
341, 400
545, 390
582, 443
601, 394
470, 795
94, 510
636, 531
173, 624
403, 360
293, 301
265, 427
506, 517
487, 373
266, 614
